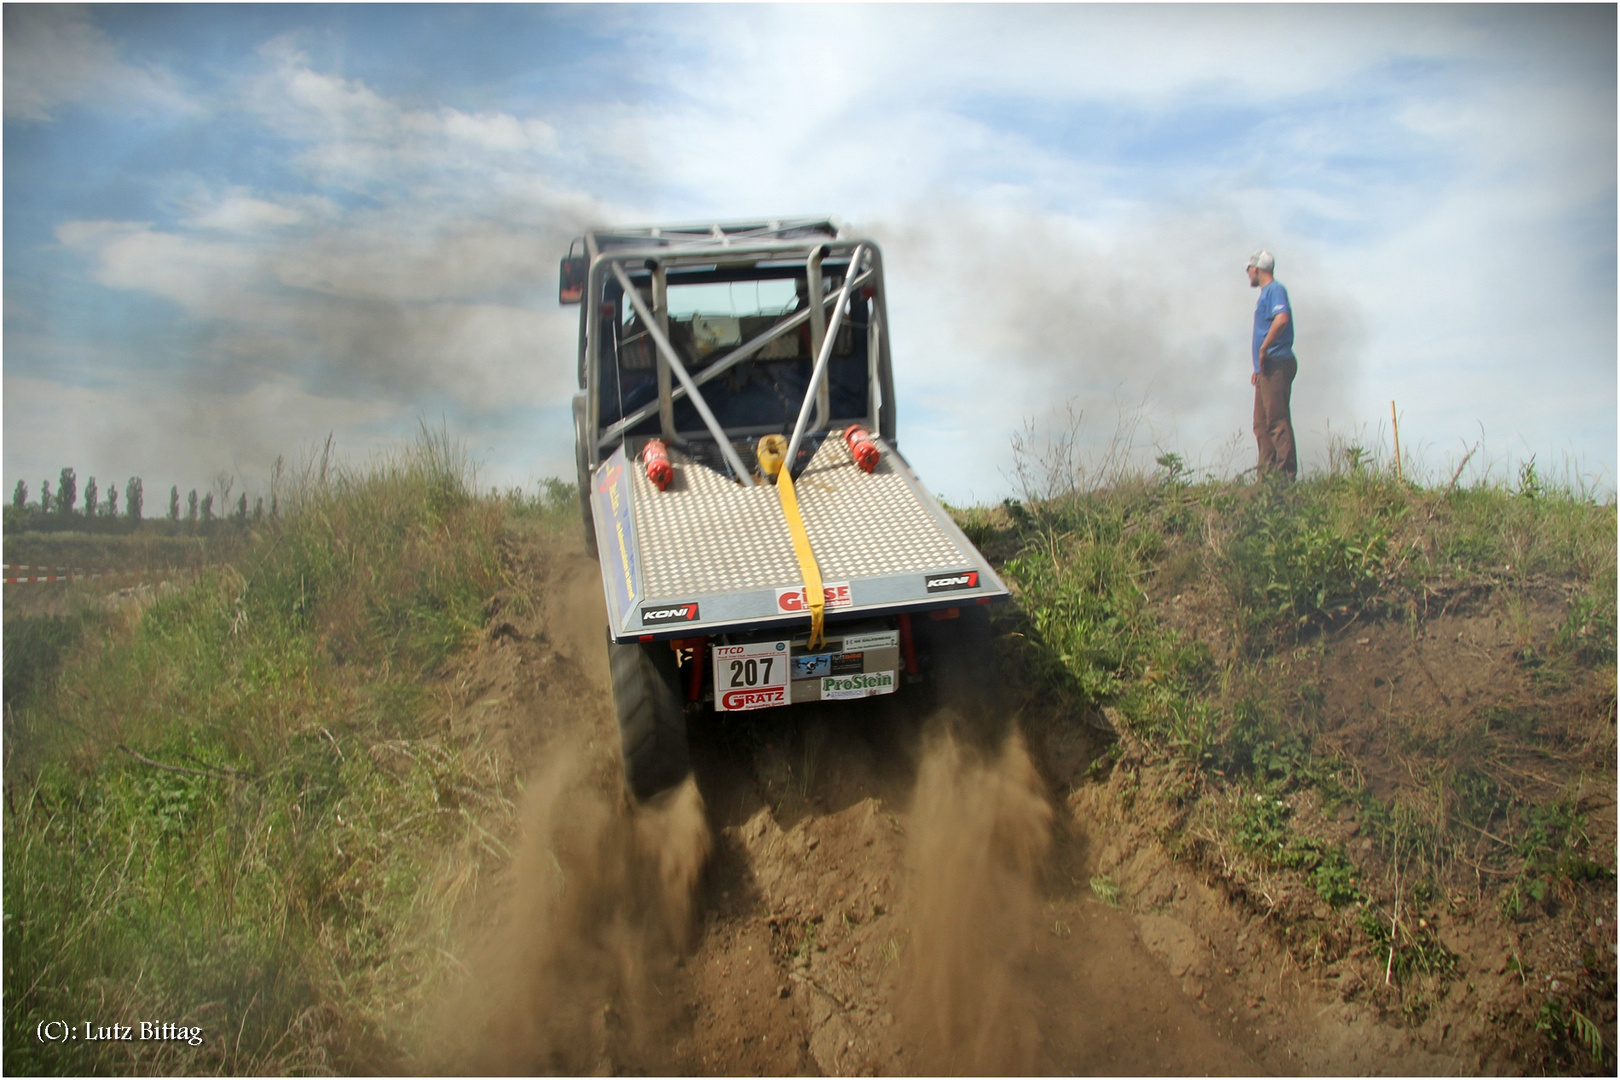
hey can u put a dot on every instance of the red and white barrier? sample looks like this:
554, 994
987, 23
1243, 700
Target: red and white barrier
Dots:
27, 575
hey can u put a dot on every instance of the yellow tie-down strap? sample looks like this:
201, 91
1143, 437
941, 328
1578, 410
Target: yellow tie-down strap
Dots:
771, 451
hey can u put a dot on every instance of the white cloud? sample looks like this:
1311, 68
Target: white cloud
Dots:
55, 56
354, 136
237, 211
1028, 266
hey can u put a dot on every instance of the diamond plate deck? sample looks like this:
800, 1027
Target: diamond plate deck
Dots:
705, 534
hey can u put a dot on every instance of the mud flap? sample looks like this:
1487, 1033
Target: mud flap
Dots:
652, 718
961, 669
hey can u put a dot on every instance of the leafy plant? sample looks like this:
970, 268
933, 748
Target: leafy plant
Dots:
1106, 890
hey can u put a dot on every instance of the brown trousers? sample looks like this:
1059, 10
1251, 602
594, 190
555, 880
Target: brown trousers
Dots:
1273, 427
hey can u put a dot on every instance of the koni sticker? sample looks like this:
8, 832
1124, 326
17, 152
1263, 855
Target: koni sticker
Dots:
751, 676
839, 687
669, 613
957, 579
834, 594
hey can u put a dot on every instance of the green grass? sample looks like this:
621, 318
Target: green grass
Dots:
1196, 610
286, 881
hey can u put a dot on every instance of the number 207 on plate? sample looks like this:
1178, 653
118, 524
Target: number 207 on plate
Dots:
753, 676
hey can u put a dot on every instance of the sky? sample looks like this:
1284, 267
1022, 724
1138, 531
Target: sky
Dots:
231, 231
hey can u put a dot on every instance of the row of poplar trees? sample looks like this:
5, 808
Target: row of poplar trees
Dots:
65, 500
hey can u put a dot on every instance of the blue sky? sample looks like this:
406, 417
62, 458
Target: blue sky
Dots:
230, 230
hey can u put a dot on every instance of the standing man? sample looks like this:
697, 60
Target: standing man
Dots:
1274, 369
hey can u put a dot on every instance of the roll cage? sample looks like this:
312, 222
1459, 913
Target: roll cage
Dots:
713, 383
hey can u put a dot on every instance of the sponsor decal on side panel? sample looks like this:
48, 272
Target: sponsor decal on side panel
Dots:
951, 582
668, 613
612, 496
835, 594
837, 687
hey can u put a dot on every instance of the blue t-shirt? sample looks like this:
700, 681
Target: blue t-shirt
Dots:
1273, 302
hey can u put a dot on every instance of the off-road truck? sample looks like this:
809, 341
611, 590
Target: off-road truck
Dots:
762, 541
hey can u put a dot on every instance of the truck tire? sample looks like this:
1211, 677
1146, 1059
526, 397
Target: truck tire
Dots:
652, 718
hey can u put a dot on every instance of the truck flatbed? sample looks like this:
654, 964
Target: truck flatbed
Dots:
708, 556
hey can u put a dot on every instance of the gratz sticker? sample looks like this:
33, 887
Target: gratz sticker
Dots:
959, 579
752, 676
835, 594
668, 613
839, 687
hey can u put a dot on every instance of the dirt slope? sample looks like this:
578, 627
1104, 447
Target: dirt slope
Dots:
846, 890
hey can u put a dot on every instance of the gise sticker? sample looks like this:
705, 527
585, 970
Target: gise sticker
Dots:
752, 676
835, 594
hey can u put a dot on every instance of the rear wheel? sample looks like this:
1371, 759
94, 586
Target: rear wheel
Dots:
652, 718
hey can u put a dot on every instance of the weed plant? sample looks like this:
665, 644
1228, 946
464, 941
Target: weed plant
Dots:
236, 809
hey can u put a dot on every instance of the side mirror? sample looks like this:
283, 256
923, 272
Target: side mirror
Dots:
571, 279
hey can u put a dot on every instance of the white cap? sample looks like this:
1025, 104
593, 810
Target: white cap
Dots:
1262, 260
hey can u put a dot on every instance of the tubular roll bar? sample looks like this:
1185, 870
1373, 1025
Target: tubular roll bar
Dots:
723, 365
818, 378
706, 244
667, 352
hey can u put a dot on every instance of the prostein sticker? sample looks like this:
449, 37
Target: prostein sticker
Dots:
838, 687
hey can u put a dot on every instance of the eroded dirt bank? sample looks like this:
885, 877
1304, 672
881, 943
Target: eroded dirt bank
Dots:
851, 889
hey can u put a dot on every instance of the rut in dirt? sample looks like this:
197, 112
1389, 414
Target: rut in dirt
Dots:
853, 888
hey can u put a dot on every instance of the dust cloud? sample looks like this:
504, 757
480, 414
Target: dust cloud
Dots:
573, 979
1025, 313
979, 829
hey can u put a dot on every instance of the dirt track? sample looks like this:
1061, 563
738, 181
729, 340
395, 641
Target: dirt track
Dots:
847, 890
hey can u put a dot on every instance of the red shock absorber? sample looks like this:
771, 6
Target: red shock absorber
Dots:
908, 644
861, 447
656, 457
694, 676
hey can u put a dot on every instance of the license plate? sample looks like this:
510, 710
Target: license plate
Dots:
753, 676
